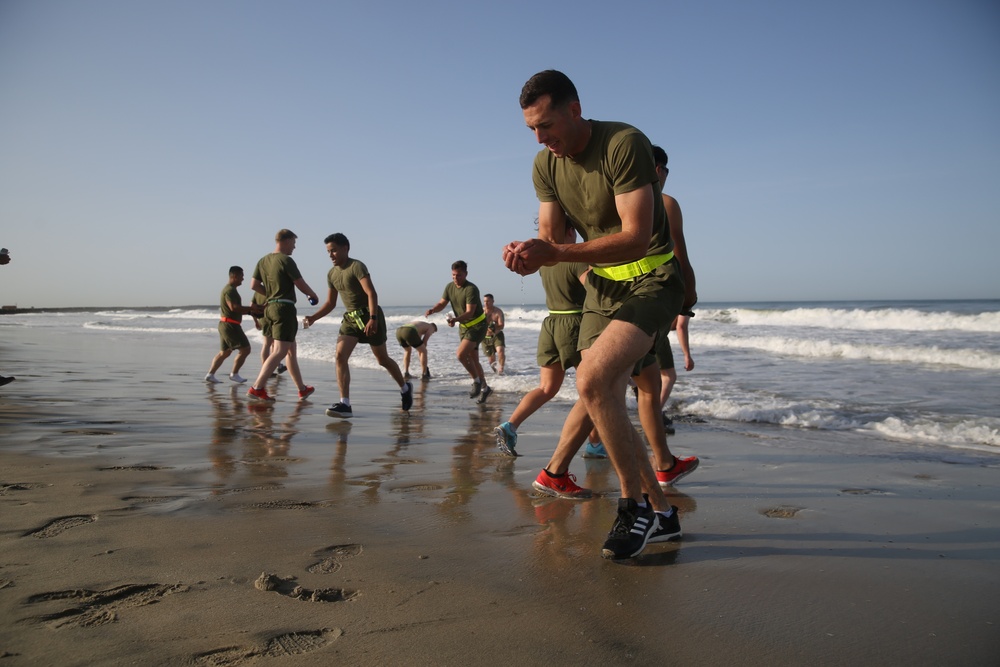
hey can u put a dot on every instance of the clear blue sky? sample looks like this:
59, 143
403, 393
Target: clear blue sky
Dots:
843, 150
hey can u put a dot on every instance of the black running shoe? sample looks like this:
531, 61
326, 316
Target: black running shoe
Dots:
631, 529
407, 397
476, 388
426, 376
282, 368
339, 410
486, 394
670, 527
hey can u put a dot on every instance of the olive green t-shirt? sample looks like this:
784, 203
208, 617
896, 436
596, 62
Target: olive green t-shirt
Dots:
459, 297
618, 159
563, 289
278, 272
232, 295
346, 282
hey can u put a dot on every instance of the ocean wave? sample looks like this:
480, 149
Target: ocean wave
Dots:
899, 319
981, 433
125, 328
826, 349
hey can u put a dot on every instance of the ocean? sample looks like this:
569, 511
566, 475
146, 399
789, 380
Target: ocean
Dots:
904, 377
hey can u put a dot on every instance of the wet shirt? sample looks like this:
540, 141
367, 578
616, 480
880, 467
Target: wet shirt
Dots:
231, 295
563, 289
278, 272
459, 297
346, 281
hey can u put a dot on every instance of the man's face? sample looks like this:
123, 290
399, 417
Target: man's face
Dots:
337, 253
458, 277
555, 127
661, 173
236, 278
489, 302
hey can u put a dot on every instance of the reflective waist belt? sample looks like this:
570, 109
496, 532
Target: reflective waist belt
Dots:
229, 321
565, 312
473, 322
355, 317
281, 301
633, 269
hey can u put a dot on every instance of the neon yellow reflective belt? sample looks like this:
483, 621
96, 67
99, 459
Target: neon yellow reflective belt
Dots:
565, 312
632, 269
473, 322
355, 317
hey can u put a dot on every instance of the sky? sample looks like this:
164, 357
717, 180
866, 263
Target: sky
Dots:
819, 151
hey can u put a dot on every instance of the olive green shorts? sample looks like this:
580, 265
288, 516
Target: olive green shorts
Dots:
650, 302
408, 336
491, 343
476, 333
558, 339
232, 336
281, 320
664, 355
354, 326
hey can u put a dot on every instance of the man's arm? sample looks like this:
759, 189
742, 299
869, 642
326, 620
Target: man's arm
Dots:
498, 319
436, 308
257, 286
682, 340
324, 310
371, 326
635, 209
676, 221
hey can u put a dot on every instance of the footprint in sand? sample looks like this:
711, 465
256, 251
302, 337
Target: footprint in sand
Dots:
6, 488
93, 608
287, 586
333, 557
57, 526
785, 512
288, 644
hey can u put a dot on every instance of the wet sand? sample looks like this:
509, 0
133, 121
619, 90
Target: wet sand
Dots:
146, 518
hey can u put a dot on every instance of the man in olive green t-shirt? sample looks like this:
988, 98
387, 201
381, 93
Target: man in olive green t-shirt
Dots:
364, 322
277, 277
470, 317
601, 176
231, 334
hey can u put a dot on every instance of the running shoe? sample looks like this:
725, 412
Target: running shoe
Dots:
6, 380
476, 388
595, 450
235, 377
506, 438
282, 368
426, 376
486, 394
682, 468
631, 529
407, 397
339, 410
563, 486
668, 425
305, 393
670, 527
211, 379
259, 394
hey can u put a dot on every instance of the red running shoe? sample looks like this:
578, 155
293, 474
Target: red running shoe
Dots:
306, 392
563, 486
259, 394
682, 468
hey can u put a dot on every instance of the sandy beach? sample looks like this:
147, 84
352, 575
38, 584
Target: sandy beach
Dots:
147, 518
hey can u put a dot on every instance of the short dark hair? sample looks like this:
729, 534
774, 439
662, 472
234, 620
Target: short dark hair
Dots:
659, 156
459, 266
338, 239
488, 296
551, 82
233, 270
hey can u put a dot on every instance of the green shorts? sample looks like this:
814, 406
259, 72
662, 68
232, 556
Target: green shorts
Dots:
650, 302
557, 341
232, 336
664, 355
476, 333
491, 343
408, 336
354, 326
265, 327
281, 320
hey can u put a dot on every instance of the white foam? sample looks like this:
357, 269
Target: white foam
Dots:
900, 319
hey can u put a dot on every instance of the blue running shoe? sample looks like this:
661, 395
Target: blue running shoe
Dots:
595, 451
506, 438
